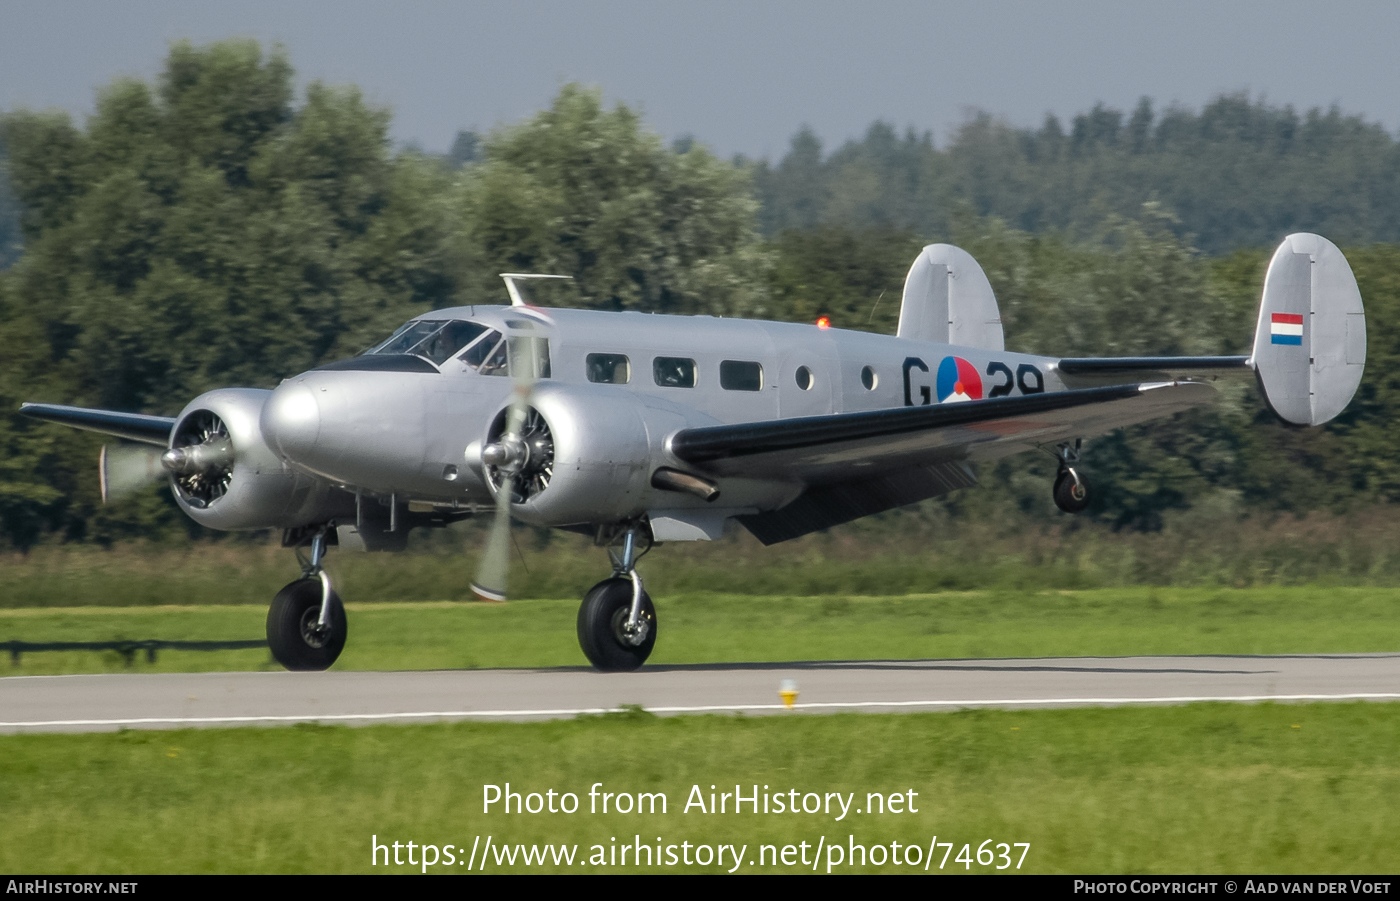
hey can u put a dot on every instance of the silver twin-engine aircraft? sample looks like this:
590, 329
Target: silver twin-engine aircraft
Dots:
636, 429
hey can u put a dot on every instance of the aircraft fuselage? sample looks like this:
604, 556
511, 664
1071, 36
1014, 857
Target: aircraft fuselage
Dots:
404, 433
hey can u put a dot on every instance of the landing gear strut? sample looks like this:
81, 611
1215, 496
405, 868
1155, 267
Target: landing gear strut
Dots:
1071, 488
617, 622
306, 625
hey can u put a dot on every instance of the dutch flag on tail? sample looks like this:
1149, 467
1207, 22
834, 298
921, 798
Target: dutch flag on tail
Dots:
1286, 328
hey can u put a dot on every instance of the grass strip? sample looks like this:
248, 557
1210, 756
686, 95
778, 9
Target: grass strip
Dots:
706, 627
716, 628
1207, 788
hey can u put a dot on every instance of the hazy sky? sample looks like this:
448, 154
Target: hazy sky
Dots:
741, 77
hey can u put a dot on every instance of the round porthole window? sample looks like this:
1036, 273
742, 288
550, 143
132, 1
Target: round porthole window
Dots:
804, 378
869, 379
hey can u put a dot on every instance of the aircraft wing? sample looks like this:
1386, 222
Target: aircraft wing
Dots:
856, 464
131, 426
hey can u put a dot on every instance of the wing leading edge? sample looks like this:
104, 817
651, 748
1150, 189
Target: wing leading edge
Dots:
857, 464
131, 426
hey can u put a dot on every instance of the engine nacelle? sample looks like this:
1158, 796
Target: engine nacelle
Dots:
599, 457
253, 490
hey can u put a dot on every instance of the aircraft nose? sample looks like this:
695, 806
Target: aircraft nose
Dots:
291, 419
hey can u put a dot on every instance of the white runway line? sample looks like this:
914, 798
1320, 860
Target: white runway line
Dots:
708, 708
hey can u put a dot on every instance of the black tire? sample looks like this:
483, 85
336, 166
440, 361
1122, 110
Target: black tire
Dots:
1071, 496
291, 632
600, 620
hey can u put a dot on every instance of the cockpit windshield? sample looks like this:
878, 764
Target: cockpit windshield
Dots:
433, 339
487, 350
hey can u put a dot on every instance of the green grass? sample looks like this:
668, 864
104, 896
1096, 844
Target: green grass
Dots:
1197, 789
906, 552
704, 627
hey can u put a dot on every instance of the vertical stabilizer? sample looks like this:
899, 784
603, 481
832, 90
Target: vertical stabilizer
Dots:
1310, 343
948, 299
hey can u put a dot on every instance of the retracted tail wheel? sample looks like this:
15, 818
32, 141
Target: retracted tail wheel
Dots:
1071, 491
293, 627
602, 627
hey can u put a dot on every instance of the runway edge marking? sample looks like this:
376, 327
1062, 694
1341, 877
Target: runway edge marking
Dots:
708, 708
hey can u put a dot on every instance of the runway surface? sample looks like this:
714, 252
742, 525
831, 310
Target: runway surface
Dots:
177, 700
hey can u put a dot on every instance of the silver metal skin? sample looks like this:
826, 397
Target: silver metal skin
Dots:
422, 437
1310, 379
947, 298
664, 428
301, 452
263, 492
396, 433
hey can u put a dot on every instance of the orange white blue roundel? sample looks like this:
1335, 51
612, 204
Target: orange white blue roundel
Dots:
958, 381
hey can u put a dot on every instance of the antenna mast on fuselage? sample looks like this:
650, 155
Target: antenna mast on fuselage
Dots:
515, 299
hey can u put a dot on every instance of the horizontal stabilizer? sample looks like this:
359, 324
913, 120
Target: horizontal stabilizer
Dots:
131, 426
1310, 343
1159, 365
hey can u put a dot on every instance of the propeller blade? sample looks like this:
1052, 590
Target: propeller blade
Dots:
510, 453
490, 584
124, 469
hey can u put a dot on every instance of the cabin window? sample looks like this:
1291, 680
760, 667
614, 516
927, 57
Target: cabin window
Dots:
673, 372
869, 379
609, 369
735, 375
804, 378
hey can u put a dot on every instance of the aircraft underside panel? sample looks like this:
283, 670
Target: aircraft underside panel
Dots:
830, 505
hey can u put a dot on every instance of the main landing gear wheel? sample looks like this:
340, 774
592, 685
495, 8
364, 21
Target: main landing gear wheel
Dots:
294, 633
1071, 491
602, 627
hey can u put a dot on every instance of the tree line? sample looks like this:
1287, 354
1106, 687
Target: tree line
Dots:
1238, 173
212, 228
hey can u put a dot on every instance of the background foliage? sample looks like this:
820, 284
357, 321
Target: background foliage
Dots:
1237, 173
214, 228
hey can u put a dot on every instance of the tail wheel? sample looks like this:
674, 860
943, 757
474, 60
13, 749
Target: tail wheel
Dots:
1071, 491
602, 632
294, 633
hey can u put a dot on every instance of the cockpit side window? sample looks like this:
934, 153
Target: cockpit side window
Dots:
441, 346
488, 355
